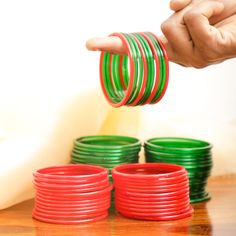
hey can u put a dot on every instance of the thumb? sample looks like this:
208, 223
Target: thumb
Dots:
177, 5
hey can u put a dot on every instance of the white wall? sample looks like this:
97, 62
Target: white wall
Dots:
50, 92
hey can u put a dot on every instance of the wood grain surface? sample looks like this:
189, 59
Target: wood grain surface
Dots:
214, 217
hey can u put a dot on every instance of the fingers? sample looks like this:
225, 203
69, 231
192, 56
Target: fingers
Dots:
227, 41
177, 5
179, 41
107, 44
197, 21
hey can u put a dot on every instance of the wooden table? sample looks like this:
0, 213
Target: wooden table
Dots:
215, 217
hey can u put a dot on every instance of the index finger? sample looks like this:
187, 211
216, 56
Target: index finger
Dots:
111, 44
115, 45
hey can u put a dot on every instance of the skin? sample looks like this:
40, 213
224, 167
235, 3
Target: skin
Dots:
199, 33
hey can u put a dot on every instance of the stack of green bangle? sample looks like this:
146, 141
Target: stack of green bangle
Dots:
194, 155
106, 151
139, 78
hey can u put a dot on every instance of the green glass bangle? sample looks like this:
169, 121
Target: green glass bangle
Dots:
187, 165
107, 78
111, 82
113, 160
124, 71
197, 185
180, 160
162, 79
198, 175
142, 78
105, 165
166, 60
157, 72
150, 68
109, 167
178, 145
207, 156
108, 142
200, 197
115, 60
138, 69
104, 156
195, 196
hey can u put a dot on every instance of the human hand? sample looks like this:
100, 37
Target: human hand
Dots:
201, 32
198, 34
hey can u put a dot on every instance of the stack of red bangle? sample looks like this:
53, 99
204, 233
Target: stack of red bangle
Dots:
152, 191
71, 194
139, 78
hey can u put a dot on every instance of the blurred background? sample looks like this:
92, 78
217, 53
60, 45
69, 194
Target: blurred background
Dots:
50, 92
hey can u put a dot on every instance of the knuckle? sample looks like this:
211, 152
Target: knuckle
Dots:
167, 26
190, 17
